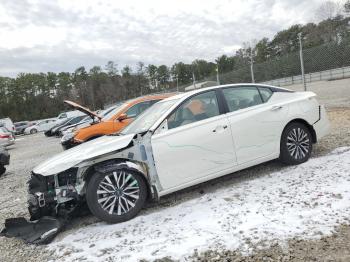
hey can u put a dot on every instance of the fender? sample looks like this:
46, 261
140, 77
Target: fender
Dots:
137, 156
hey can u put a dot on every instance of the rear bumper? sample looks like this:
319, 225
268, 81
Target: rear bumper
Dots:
322, 126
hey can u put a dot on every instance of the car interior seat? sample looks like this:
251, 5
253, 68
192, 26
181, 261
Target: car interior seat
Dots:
187, 117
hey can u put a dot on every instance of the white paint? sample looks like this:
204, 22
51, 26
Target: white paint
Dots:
193, 151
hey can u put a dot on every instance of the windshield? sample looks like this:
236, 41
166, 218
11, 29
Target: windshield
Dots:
110, 114
148, 117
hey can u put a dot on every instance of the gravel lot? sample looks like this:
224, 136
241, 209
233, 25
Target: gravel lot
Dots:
31, 150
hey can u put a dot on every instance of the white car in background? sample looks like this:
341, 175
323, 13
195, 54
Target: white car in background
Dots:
40, 126
69, 114
180, 142
6, 137
7, 122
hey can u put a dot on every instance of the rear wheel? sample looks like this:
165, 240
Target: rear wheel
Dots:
116, 196
296, 144
33, 131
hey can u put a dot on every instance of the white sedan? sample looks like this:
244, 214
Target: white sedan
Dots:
179, 142
42, 125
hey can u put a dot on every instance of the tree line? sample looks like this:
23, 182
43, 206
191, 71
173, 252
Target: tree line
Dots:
31, 96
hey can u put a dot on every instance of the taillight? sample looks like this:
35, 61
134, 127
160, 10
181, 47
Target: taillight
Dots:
4, 136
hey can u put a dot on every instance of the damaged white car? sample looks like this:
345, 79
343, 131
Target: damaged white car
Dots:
179, 142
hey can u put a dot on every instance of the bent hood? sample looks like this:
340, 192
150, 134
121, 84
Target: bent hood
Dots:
82, 109
78, 154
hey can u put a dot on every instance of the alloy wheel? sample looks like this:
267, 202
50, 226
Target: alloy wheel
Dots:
298, 143
118, 192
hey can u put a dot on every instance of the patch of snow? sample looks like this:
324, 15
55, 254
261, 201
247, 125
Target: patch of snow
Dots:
299, 201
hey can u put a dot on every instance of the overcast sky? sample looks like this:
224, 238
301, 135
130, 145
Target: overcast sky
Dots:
61, 35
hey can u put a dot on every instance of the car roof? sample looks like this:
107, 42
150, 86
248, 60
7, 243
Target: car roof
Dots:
199, 90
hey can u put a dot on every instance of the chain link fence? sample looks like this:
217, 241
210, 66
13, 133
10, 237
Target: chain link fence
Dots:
325, 62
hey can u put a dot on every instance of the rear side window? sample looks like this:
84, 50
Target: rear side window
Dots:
241, 97
265, 93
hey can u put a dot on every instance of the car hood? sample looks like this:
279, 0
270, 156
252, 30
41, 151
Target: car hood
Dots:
82, 109
85, 151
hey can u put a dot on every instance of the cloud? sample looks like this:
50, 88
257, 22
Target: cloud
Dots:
61, 35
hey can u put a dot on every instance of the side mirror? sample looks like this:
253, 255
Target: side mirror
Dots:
122, 117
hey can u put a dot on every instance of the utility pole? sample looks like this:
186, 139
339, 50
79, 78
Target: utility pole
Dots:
194, 80
302, 61
217, 74
177, 84
251, 64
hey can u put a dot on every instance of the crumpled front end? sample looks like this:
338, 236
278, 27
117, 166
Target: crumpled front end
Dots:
55, 195
51, 203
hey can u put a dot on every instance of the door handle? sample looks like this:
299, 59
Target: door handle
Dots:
274, 108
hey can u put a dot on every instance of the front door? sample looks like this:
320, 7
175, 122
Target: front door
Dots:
196, 143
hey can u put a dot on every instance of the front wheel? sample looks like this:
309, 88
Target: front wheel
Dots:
116, 196
296, 144
33, 131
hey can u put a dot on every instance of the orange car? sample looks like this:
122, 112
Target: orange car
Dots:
112, 122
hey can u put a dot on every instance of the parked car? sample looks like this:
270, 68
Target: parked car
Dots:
4, 160
40, 126
69, 114
6, 137
74, 120
87, 121
179, 142
21, 126
7, 122
48, 132
114, 121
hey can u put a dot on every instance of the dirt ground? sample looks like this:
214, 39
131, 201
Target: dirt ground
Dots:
31, 150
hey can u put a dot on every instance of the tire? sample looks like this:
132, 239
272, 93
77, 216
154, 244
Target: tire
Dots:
33, 131
2, 170
112, 206
296, 144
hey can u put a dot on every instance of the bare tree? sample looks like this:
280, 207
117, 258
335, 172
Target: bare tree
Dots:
347, 7
329, 10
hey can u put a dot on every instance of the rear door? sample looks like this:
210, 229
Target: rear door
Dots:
255, 123
196, 142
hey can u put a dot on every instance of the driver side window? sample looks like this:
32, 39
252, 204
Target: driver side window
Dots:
196, 108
